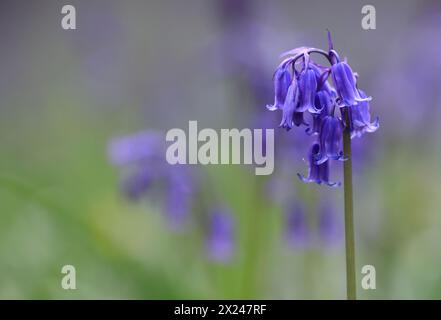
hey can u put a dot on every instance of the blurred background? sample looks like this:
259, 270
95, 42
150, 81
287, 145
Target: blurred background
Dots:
82, 177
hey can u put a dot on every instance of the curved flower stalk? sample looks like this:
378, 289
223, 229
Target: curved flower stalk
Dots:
311, 92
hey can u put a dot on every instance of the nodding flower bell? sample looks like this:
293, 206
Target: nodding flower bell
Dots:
360, 119
318, 173
289, 106
307, 89
330, 139
302, 87
282, 81
324, 101
344, 82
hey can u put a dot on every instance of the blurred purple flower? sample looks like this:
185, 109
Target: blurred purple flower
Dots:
141, 159
297, 231
221, 241
330, 226
180, 190
135, 148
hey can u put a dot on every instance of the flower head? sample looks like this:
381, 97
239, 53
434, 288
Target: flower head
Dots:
311, 92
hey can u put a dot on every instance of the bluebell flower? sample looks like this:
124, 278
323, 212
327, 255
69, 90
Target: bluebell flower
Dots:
282, 81
292, 98
220, 242
324, 101
318, 173
344, 82
307, 88
331, 140
360, 118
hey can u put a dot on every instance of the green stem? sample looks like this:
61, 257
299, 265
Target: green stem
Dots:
351, 288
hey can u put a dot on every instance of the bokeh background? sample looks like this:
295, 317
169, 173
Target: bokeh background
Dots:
70, 101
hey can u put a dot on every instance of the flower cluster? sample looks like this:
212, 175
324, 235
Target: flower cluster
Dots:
306, 97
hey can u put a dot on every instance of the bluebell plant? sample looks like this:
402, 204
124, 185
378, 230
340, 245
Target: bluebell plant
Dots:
327, 101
